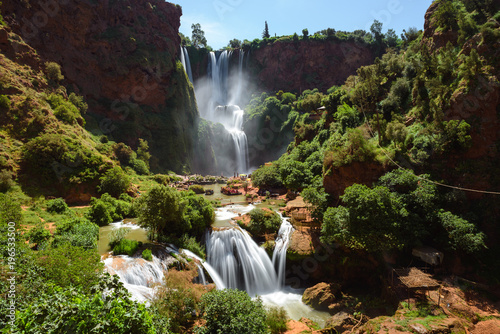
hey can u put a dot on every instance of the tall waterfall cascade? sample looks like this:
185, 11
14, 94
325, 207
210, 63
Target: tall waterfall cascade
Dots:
222, 106
242, 264
184, 55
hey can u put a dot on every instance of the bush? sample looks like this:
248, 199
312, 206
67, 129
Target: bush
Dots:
57, 205
99, 212
70, 266
140, 167
65, 114
192, 245
232, 312
197, 189
114, 182
6, 181
10, 210
126, 247
67, 310
53, 71
38, 235
4, 102
115, 236
123, 153
264, 221
276, 320
146, 255
78, 232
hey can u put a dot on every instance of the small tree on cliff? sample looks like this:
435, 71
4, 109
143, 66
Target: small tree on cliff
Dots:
198, 37
265, 34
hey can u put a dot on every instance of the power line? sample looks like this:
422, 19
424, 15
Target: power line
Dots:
418, 176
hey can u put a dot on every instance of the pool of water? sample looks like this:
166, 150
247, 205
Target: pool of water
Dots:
136, 233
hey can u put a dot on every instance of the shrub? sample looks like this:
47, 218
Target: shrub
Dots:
10, 210
68, 310
57, 205
146, 255
71, 266
65, 114
126, 247
115, 236
99, 212
114, 182
179, 299
276, 320
4, 102
78, 232
53, 72
6, 181
123, 153
192, 245
78, 102
38, 235
140, 167
197, 189
232, 312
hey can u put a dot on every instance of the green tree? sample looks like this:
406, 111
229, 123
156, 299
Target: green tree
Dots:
166, 211
369, 219
235, 44
143, 151
376, 30
114, 182
198, 36
305, 33
265, 33
266, 177
264, 221
232, 312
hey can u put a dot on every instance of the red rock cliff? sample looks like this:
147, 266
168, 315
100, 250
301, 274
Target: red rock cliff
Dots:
120, 55
297, 66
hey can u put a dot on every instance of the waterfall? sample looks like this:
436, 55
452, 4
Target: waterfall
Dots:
184, 55
137, 274
242, 264
219, 109
280, 248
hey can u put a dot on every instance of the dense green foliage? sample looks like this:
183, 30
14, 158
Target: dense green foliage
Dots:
232, 312
57, 205
114, 182
126, 247
64, 310
264, 221
146, 255
276, 320
166, 211
107, 209
402, 211
77, 232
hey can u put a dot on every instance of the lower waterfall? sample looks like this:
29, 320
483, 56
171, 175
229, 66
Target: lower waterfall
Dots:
243, 265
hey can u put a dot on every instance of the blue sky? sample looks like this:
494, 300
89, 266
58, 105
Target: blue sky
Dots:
223, 20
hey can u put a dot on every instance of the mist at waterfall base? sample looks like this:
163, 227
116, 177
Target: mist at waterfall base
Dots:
219, 95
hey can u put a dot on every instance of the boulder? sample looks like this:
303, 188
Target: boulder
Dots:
321, 296
340, 322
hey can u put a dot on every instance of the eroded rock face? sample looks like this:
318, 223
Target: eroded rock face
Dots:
321, 296
121, 55
338, 179
297, 66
